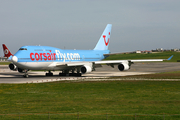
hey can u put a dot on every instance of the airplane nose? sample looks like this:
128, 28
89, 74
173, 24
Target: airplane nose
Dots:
14, 59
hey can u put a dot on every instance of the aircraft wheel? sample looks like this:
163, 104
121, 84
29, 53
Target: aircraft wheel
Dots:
49, 74
26, 76
62, 74
78, 74
72, 74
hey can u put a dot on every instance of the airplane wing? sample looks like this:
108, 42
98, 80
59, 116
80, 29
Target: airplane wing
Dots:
122, 61
71, 64
109, 62
125, 64
122, 64
132, 61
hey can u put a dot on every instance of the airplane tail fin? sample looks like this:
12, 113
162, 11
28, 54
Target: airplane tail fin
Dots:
7, 52
103, 42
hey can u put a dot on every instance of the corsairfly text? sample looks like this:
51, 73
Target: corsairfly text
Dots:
54, 56
67, 56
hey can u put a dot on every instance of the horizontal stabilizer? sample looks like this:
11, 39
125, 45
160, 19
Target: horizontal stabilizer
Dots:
170, 58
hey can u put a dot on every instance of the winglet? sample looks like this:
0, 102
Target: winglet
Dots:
170, 58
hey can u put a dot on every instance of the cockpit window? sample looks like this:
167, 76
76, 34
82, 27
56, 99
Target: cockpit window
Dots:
23, 49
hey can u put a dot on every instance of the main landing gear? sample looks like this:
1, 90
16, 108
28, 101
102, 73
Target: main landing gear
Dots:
63, 73
49, 73
66, 73
70, 74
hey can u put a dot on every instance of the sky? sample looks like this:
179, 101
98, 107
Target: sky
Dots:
78, 24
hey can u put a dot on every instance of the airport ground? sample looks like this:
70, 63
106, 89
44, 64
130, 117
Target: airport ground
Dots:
8, 76
112, 100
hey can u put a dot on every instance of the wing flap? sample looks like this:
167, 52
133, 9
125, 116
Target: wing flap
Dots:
148, 60
110, 61
69, 64
123, 61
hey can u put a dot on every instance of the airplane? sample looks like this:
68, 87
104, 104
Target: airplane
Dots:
69, 62
6, 51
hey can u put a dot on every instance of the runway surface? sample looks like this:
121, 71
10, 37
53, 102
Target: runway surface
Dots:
8, 76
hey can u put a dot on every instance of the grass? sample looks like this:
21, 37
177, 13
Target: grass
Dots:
91, 100
112, 100
164, 75
162, 55
4, 63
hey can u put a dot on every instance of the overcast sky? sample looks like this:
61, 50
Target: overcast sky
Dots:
78, 24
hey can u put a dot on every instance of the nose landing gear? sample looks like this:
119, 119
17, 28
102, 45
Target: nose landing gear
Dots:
25, 74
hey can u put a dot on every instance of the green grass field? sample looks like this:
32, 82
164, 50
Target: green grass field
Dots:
165, 75
4, 63
110, 100
91, 100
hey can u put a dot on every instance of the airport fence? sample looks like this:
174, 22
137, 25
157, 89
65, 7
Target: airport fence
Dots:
84, 116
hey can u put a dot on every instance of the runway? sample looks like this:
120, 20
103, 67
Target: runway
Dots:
8, 76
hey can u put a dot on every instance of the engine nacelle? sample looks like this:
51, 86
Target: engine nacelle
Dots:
86, 69
123, 66
12, 66
20, 70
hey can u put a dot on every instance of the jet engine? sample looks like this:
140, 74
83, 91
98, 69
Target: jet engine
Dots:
20, 70
12, 66
86, 69
123, 66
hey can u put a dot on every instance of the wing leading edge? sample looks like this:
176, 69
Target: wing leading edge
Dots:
121, 61
122, 64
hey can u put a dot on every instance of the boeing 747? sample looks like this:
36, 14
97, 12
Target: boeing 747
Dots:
69, 62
